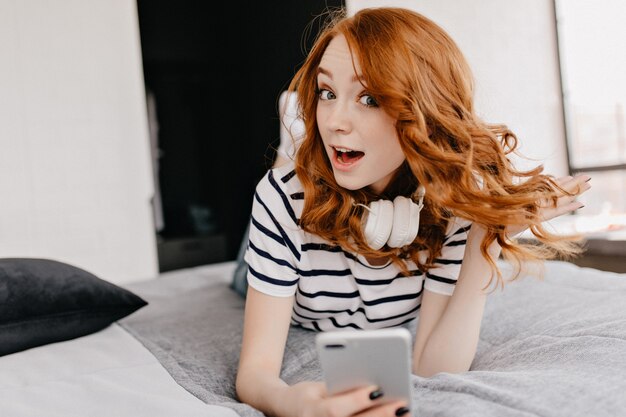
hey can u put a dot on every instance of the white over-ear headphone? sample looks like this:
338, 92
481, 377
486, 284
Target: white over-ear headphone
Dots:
394, 223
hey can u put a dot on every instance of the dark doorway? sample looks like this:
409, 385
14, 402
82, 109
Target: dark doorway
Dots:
214, 72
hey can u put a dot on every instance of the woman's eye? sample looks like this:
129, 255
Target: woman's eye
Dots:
368, 101
326, 94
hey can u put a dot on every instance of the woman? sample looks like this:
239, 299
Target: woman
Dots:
386, 100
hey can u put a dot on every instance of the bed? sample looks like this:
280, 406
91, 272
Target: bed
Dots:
555, 347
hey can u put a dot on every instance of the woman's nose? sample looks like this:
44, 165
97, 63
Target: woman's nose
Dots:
339, 119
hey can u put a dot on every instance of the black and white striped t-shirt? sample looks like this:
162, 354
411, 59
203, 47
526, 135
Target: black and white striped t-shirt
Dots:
333, 288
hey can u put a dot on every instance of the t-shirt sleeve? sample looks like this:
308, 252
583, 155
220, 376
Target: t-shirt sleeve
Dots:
442, 278
272, 252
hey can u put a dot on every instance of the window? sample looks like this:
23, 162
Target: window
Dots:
591, 39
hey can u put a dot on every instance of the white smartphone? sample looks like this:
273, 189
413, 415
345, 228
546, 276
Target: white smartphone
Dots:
356, 358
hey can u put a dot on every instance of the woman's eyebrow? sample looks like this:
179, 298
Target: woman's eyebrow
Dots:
324, 71
320, 70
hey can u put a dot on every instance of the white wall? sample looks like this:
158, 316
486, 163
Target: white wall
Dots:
511, 47
75, 175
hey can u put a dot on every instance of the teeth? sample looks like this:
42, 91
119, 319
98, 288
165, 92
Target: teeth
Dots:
343, 150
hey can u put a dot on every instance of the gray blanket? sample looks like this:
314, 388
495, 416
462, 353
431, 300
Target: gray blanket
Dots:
555, 347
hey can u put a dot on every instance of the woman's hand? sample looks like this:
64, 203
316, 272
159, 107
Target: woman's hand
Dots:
310, 399
565, 203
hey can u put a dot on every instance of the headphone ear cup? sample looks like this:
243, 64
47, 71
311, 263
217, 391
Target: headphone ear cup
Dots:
405, 224
414, 224
378, 222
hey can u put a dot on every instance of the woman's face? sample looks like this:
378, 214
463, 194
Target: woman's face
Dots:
359, 137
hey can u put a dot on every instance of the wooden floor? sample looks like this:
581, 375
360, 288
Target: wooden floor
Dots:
604, 254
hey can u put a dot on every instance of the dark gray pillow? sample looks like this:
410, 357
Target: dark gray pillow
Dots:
44, 301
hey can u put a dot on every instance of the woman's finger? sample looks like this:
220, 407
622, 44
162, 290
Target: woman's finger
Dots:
395, 408
549, 209
352, 402
580, 189
574, 185
564, 206
564, 180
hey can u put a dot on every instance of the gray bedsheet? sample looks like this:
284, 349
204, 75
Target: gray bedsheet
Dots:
547, 348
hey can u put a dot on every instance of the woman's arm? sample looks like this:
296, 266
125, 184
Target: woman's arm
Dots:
258, 379
447, 336
266, 325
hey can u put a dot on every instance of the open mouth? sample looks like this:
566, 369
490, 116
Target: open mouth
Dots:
347, 156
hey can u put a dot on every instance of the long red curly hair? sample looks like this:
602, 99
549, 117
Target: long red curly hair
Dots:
418, 75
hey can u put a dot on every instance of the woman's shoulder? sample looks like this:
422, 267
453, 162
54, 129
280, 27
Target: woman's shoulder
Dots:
280, 192
287, 174
457, 226
282, 178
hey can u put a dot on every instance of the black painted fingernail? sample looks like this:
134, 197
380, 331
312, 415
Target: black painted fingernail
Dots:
376, 394
401, 411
